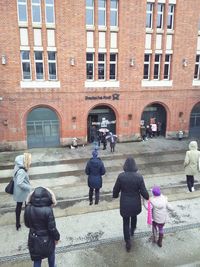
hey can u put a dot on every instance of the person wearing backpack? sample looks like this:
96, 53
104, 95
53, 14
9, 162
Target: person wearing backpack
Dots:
22, 185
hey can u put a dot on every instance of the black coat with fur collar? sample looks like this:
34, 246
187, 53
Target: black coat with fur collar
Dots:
131, 185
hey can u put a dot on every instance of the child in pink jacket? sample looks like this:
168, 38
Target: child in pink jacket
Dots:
159, 206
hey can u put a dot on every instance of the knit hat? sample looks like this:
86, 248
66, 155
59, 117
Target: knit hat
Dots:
95, 153
156, 191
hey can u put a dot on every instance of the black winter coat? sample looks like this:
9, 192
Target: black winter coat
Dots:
39, 217
95, 169
131, 185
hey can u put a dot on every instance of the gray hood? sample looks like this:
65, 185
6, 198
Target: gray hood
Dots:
19, 161
193, 145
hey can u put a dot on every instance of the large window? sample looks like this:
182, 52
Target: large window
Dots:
113, 66
26, 66
49, 9
52, 65
36, 11
160, 16
39, 68
156, 74
22, 10
90, 66
101, 12
197, 68
89, 12
101, 66
170, 18
113, 12
149, 16
147, 60
167, 67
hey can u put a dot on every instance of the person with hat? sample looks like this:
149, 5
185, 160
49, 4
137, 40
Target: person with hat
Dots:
159, 206
94, 169
131, 185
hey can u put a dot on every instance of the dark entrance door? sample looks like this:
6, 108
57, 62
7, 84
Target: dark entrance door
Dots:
42, 128
158, 112
96, 115
194, 130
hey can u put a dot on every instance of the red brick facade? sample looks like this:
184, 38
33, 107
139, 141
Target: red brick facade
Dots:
68, 100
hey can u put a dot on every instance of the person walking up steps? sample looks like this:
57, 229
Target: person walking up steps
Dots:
191, 162
131, 185
94, 169
159, 206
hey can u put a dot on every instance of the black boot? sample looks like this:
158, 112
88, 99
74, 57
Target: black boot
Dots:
128, 245
159, 242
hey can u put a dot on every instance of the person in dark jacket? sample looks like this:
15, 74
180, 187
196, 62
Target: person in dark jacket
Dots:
131, 185
43, 234
94, 169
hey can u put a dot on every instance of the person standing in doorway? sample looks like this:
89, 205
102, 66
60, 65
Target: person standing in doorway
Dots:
131, 185
22, 185
43, 234
191, 162
94, 169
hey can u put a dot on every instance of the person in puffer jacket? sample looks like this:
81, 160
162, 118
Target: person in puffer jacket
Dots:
159, 205
43, 234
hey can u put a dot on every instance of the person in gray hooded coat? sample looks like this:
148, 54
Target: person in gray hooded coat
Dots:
22, 185
131, 185
191, 164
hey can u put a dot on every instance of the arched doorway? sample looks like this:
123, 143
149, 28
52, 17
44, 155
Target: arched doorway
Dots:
96, 115
42, 128
155, 112
194, 130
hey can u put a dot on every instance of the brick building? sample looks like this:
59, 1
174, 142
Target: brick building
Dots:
68, 64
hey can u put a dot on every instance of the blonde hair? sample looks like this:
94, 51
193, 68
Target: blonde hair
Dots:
27, 160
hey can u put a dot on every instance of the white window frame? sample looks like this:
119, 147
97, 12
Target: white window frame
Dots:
90, 62
104, 66
51, 61
150, 12
35, 5
197, 63
90, 8
115, 11
160, 14
167, 63
157, 63
104, 11
49, 5
147, 63
115, 64
19, 2
25, 61
170, 15
39, 61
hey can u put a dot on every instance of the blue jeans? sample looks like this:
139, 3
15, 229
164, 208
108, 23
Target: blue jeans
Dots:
51, 261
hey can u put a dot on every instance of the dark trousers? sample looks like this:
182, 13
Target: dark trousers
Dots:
51, 261
190, 182
18, 212
129, 225
112, 147
91, 191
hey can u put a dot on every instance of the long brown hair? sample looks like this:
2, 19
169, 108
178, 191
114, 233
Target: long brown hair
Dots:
27, 160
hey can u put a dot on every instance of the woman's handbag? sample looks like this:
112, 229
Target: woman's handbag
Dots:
10, 187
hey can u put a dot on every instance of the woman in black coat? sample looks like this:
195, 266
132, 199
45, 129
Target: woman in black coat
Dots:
94, 169
131, 185
43, 234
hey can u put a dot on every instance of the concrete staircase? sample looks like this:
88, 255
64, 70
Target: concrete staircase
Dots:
66, 177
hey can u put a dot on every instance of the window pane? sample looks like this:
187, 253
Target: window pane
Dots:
148, 21
196, 72
22, 13
113, 18
51, 2
166, 71
149, 7
49, 14
39, 71
36, 13
89, 17
113, 3
89, 71
101, 71
25, 54
146, 57
156, 71
167, 58
89, 57
101, 3
112, 71
101, 17
26, 70
52, 71
112, 57
38, 55
101, 57
51, 55
146, 71
89, 3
